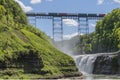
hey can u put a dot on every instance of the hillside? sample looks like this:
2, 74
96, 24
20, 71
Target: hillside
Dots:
25, 52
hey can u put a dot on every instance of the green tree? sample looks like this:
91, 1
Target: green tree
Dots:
106, 31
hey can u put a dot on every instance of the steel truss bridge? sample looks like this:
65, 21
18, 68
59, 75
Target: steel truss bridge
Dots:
57, 18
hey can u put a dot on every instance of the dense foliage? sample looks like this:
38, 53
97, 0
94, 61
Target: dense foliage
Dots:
107, 32
25, 49
106, 37
11, 15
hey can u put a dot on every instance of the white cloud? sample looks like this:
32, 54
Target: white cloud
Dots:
35, 1
25, 8
70, 22
117, 1
69, 36
92, 25
109, 3
100, 2
57, 24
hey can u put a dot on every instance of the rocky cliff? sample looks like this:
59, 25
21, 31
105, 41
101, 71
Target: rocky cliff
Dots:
108, 63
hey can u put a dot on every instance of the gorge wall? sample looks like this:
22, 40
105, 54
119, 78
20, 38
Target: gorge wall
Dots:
101, 63
107, 64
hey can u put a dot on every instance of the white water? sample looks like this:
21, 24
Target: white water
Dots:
85, 63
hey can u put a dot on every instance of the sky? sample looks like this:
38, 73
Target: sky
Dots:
67, 6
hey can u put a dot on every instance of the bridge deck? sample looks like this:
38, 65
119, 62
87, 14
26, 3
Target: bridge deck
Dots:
65, 14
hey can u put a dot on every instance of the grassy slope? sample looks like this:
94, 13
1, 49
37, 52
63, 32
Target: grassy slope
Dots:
56, 64
26, 51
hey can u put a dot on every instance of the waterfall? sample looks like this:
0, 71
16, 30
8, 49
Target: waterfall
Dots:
85, 63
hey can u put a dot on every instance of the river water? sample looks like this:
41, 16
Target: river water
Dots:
85, 64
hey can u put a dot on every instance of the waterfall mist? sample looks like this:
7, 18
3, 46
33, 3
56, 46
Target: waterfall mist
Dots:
68, 46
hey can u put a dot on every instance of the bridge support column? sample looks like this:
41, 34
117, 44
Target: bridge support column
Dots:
83, 29
33, 20
57, 28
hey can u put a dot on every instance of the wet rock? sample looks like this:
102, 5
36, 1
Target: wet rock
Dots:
107, 64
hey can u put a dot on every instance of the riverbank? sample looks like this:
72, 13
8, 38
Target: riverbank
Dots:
93, 77
101, 77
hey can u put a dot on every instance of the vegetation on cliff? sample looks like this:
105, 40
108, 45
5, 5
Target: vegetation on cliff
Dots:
26, 51
107, 32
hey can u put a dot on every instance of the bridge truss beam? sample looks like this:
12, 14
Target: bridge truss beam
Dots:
32, 20
83, 27
57, 21
57, 28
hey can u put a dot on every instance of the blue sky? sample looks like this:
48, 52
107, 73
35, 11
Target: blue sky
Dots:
67, 6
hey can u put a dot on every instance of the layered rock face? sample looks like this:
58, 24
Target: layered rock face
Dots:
107, 64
